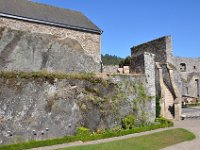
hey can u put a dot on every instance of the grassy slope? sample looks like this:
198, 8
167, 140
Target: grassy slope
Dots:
153, 141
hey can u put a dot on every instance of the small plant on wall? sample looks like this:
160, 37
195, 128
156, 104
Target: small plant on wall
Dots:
128, 122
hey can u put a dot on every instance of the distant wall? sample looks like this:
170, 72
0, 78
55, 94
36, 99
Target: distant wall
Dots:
189, 72
192, 64
161, 47
110, 68
25, 45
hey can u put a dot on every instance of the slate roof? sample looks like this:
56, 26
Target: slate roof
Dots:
45, 14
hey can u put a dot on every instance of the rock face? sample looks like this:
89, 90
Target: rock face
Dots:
63, 105
24, 51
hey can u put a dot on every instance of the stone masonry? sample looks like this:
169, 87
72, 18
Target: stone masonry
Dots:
90, 42
162, 75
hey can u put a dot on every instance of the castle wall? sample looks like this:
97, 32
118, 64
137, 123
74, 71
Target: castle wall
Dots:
188, 75
192, 64
149, 65
137, 64
28, 104
162, 48
25, 46
162, 78
110, 68
144, 64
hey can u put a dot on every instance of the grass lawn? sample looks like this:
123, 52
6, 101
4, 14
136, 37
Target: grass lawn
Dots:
161, 123
153, 141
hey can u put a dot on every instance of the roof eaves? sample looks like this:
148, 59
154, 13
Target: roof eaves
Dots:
51, 23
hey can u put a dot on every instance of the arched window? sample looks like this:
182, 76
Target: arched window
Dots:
182, 67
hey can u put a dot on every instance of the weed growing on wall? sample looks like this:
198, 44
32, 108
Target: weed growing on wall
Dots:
158, 108
128, 122
50, 76
139, 103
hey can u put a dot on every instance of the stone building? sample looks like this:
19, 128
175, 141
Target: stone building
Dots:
189, 70
175, 77
40, 37
161, 73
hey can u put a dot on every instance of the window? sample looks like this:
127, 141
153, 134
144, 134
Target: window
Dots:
183, 67
195, 67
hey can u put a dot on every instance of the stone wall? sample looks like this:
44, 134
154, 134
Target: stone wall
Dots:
192, 64
188, 75
145, 64
189, 87
62, 105
110, 68
137, 64
161, 47
150, 74
20, 37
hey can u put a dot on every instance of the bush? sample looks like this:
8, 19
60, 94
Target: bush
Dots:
164, 121
116, 129
80, 131
83, 134
128, 122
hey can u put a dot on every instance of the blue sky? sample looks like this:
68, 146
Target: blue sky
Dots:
127, 23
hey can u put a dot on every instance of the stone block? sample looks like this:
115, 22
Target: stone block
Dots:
126, 70
120, 70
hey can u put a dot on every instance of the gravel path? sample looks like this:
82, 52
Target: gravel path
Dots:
80, 143
194, 127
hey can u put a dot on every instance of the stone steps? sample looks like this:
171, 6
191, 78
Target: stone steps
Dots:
169, 102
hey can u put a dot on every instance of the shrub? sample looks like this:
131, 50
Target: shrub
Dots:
100, 131
116, 129
128, 122
164, 121
83, 134
80, 131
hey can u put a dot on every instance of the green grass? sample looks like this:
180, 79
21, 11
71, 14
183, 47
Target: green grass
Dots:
33, 144
51, 76
153, 141
191, 105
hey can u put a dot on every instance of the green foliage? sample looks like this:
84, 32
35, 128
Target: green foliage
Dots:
144, 118
92, 90
111, 59
140, 101
51, 76
142, 95
82, 131
107, 102
164, 121
191, 105
135, 105
158, 108
145, 142
125, 62
90, 137
116, 129
128, 122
